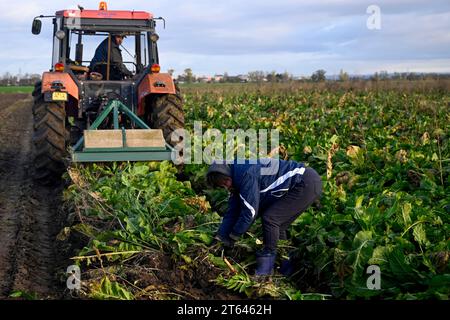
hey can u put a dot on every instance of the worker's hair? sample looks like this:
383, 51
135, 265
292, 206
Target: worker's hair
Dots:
215, 179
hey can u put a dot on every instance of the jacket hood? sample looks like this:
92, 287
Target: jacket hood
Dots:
220, 168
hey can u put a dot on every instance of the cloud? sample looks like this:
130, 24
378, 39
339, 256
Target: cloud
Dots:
18, 13
239, 36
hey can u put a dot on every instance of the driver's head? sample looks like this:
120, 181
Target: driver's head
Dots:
118, 38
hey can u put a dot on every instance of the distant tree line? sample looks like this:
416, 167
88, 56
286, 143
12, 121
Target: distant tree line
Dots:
188, 76
384, 75
8, 79
317, 76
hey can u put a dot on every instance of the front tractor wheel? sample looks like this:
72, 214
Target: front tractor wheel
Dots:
50, 140
168, 115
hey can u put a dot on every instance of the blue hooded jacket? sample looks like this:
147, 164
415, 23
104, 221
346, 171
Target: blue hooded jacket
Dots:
255, 187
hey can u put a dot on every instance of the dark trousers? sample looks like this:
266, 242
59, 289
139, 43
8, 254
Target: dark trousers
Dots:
280, 215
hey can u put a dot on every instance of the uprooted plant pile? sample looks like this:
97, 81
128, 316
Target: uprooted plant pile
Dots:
149, 235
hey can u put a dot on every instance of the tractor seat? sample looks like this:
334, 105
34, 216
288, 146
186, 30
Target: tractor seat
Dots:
77, 68
81, 72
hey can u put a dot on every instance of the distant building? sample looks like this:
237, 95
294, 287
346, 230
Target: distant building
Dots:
181, 79
204, 79
243, 77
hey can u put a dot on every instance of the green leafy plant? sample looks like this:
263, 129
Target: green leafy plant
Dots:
108, 290
384, 160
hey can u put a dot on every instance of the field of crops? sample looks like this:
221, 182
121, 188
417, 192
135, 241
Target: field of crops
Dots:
384, 157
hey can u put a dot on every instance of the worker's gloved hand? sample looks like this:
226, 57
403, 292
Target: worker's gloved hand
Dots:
227, 242
234, 237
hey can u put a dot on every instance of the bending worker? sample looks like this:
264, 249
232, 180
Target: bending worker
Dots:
278, 191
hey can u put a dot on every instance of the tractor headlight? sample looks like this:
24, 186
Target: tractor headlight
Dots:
154, 37
60, 34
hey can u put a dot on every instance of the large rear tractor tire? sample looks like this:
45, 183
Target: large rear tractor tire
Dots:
167, 114
50, 139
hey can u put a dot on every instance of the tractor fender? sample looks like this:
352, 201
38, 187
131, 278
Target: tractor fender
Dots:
154, 83
68, 84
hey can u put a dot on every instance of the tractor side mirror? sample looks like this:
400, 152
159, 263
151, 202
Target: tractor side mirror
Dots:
36, 27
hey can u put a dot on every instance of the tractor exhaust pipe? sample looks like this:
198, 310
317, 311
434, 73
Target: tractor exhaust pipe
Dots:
79, 50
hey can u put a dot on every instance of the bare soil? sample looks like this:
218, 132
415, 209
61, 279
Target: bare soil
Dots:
30, 217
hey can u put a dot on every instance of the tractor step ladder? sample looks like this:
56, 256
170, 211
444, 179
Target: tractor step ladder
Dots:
116, 144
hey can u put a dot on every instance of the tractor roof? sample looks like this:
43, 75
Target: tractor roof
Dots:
105, 14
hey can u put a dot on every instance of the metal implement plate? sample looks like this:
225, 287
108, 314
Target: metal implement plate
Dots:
134, 138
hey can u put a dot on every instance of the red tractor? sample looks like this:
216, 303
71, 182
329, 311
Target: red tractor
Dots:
85, 115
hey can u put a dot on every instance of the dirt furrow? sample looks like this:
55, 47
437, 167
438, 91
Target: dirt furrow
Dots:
28, 212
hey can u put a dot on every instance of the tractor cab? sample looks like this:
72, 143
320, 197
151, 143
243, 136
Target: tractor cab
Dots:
129, 117
71, 28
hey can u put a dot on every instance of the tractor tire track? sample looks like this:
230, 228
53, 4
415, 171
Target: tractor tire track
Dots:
29, 213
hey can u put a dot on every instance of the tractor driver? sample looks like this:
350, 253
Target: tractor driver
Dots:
118, 71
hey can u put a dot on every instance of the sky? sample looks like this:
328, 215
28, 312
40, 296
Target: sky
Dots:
236, 36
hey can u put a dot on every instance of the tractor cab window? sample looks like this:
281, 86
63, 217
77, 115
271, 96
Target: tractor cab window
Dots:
88, 55
57, 43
